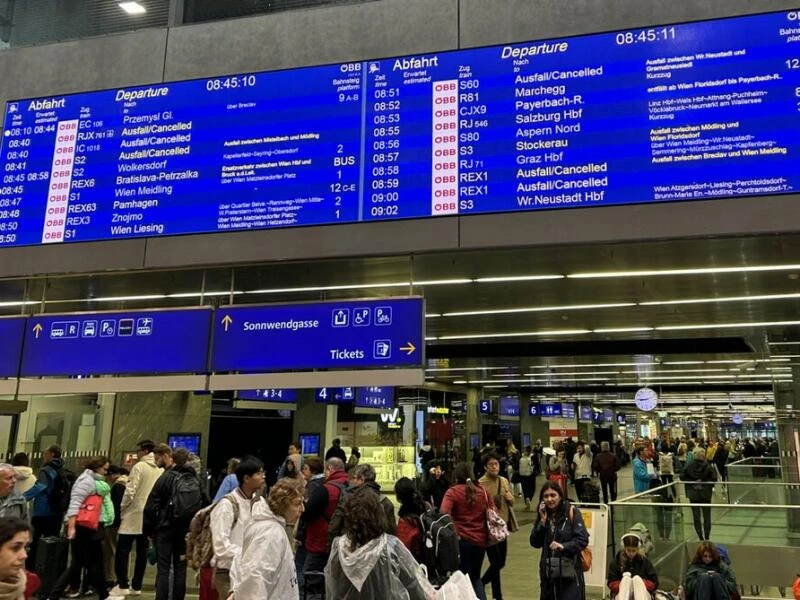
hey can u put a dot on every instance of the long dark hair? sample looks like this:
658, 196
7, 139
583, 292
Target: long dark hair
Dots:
552, 485
410, 499
465, 475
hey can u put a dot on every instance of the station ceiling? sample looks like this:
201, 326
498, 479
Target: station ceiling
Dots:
710, 322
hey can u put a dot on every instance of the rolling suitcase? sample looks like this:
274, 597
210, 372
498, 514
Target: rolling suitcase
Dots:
51, 562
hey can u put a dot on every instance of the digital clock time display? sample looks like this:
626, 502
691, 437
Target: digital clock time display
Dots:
231, 83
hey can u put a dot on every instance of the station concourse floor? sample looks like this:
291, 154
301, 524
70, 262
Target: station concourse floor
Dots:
520, 577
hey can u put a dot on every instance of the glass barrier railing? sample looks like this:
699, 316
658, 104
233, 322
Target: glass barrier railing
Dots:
755, 469
758, 524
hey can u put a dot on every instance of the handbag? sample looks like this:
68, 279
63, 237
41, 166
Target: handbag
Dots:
560, 567
496, 526
586, 553
89, 512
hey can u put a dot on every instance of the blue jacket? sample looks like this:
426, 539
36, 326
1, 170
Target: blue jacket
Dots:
641, 478
43, 488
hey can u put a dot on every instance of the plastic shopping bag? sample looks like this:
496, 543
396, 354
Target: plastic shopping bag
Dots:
458, 587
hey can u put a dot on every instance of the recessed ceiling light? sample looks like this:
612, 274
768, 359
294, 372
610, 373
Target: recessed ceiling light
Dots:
513, 278
622, 329
509, 311
725, 299
699, 271
475, 336
132, 8
726, 325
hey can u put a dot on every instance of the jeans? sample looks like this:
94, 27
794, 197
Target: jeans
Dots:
299, 563
87, 552
702, 527
42, 527
171, 550
497, 560
109, 552
315, 562
609, 489
711, 587
124, 544
471, 564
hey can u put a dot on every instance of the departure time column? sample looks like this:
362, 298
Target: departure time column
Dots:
383, 121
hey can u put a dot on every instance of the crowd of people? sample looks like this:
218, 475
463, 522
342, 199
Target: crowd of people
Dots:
327, 529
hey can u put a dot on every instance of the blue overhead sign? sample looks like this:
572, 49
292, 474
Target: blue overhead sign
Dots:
12, 331
269, 395
485, 407
117, 343
343, 395
327, 335
375, 397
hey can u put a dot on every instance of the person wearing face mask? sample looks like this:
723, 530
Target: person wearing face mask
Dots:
561, 534
708, 577
265, 568
631, 576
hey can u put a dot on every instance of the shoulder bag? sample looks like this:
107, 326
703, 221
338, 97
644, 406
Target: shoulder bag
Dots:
89, 513
495, 525
586, 553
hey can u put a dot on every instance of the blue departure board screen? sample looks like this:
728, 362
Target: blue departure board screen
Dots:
679, 112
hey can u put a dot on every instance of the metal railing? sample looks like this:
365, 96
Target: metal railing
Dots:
754, 522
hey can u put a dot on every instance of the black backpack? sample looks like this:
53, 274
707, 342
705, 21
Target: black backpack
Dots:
439, 545
63, 480
187, 497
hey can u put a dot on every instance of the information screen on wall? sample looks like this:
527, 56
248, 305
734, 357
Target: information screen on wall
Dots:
678, 112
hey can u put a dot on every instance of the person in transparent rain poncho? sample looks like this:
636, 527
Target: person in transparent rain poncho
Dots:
368, 564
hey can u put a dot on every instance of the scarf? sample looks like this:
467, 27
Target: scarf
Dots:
15, 589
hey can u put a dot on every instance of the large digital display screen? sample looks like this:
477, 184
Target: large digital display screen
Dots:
509, 406
691, 111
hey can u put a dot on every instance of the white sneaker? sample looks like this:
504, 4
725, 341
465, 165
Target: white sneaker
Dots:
117, 591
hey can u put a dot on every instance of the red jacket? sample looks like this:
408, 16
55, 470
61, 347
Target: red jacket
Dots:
321, 505
469, 521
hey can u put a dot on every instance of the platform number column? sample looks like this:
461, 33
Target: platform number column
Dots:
444, 191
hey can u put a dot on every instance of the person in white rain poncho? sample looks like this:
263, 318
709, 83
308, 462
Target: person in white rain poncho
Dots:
265, 569
368, 564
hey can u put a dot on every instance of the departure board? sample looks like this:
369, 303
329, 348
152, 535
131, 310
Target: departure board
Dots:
692, 111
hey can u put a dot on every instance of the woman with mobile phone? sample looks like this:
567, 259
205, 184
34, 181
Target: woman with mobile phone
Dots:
561, 534
708, 577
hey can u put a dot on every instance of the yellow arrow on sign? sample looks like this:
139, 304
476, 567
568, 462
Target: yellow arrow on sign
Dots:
409, 349
37, 329
226, 321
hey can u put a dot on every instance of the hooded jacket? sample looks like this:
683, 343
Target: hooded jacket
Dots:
14, 505
265, 567
143, 477
699, 471
697, 571
42, 490
85, 486
25, 479
381, 568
